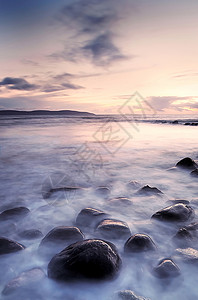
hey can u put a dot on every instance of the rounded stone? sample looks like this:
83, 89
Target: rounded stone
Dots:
15, 213
166, 269
113, 229
31, 234
178, 212
89, 217
187, 163
139, 243
9, 246
88, 259
147, 190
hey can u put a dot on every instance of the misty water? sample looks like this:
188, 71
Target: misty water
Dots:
37, 154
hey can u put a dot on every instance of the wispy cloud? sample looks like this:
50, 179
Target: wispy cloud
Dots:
21, 84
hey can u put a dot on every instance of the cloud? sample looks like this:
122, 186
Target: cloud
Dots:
18, 84
92, 24
161, 103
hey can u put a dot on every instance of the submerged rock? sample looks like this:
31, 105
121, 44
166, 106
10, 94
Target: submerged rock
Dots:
88, 259
24, 280
113, 229
14, 213
178, 212
187, 254
194, 173
133, 184
31, 234
187, 163
166, 269
186, 235
139, 243
89, 217
128, 295
103, 191
124, 201
9, 246
147, 190
63, 234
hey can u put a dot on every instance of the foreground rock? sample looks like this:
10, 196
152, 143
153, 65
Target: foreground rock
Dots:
147, 190
175, 213
31, 234
187, 163
9, 246
24, 280
128, 295
14, 213
166, 269
113, 229
186, 235
194, 173
89, 217
89, 259
139, 243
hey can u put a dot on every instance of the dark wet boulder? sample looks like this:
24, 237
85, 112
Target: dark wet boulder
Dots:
128, 295
187, 163
113, 229
166, 269
30, 234
147, 190
103, 191
194, 173
89, 217
63, 234
24, 280
88, 259
139, 243
14, 213
9, 246
175, 213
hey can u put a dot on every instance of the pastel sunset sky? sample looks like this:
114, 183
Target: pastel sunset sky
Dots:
92, 55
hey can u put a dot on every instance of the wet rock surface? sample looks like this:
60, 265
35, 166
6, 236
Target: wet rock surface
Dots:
128, 295
24, 280
186, 235
8, 246
194, 173
187, 163
88, 259
187, 254
175, 213
166, 269
14, 213
147, 190
113, 229
139, 243
31, 234
89, 217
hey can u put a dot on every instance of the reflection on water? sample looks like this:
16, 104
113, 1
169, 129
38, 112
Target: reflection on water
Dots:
73, 153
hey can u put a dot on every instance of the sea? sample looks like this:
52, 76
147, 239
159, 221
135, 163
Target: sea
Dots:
40, 153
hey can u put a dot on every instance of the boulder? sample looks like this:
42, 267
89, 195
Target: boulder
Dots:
9, 246
139, 243
113, 229
89, 217
187, 254
166, 269
128, 295
88, 259
30, 234
187, 163
147, 190
103, 191
175, 213
14, 213
24, 280
194, 173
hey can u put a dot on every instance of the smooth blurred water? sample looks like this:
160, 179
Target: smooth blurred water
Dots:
39, 153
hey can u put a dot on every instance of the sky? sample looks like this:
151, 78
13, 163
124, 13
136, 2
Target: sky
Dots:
92, 55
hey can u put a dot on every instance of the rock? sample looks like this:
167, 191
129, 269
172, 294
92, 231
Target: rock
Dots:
63, 234
147, 190
103, 191
187, 163
187, 254
31, 234
9, 246
128, 295
134, 184
139, 243
89, 217
175, 122
88, 259
178, 212
186, 235
14, 213
113, 229
23, 280
194, 173
120, 201
166, 269
176, 201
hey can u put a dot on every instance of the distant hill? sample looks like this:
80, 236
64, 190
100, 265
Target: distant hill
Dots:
44, 113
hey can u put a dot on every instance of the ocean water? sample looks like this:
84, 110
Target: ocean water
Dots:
40, 153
